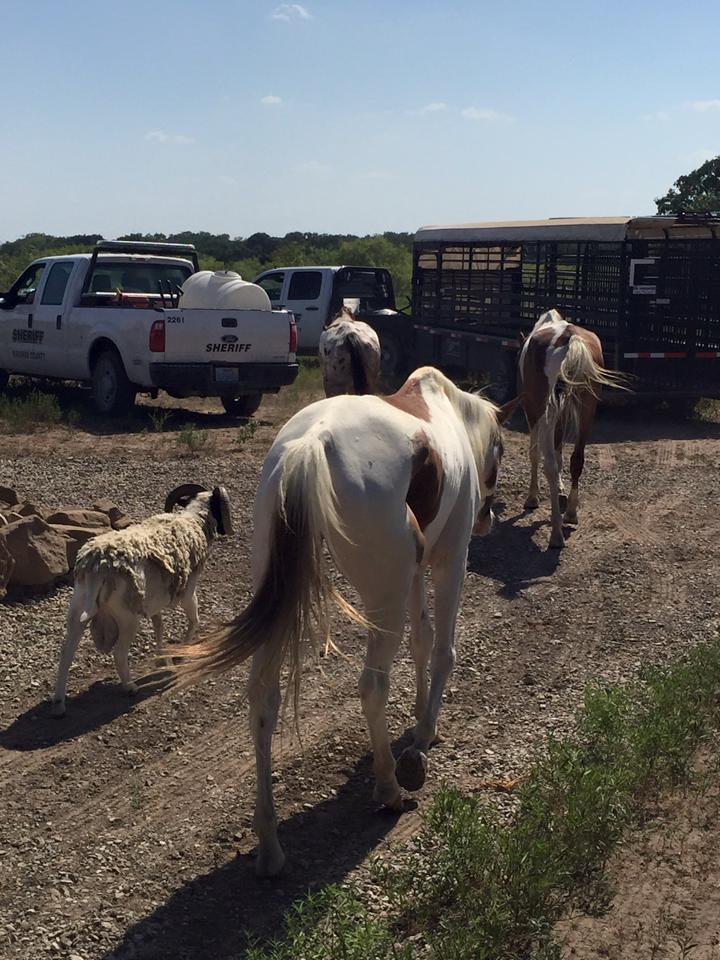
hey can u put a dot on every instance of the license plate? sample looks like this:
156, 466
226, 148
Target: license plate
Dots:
226, 374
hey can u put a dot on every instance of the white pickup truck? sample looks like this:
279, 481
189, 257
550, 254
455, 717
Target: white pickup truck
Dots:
315, 294
114, 318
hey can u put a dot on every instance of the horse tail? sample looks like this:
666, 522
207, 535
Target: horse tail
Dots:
289, 609
580, 371
357, 364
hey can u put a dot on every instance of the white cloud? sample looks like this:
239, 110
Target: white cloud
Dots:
437, 106
484, 113
698, 157
376, 175
660, 115
160, 136
313, 167
291, 11
704, 106
271, 100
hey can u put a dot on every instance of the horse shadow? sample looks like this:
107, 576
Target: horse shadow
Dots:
219, 914
510, 555
99, 704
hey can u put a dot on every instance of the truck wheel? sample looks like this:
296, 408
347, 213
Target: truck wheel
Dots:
390, 354
244, 406
113, 394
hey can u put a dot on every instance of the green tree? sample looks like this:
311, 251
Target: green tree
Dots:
696, 192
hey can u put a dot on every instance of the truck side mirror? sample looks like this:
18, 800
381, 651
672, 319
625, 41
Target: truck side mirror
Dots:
7, 301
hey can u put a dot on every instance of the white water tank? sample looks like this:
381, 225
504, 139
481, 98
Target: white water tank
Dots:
222, 290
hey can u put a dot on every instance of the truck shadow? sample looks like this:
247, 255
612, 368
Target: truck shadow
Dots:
218, 914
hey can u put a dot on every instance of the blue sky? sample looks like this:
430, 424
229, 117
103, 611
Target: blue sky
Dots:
347, 116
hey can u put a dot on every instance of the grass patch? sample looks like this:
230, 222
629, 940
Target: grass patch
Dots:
478, 888
158, 418
247, 432
24, 414
191, 438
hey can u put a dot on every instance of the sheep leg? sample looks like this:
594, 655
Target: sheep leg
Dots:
127, 629
190, 606
159, 631
67, 653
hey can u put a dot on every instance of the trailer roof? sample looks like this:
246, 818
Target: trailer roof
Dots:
569, 229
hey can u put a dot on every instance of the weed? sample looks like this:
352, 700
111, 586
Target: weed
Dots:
159, 418
480, 888
72, 418
247, 431
195, 440
24, 414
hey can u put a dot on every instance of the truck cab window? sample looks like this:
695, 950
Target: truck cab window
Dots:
272, 284
305, 285
56, 282
24, 288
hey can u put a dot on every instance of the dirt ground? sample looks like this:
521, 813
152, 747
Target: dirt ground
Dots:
126, 828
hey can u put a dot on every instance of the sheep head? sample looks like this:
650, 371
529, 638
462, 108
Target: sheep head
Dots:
218, 503
182, 495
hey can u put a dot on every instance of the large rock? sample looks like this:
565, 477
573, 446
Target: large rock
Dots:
76, 537
39, 552
6, 567
9, 496
118, 518
79, 518
29, 509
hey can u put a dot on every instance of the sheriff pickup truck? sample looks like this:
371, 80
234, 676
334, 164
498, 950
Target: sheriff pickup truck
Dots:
115, 318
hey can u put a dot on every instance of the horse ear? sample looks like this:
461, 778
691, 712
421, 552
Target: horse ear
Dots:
508, 409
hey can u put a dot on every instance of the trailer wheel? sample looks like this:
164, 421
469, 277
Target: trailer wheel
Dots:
500, 375
113, 394
243, 406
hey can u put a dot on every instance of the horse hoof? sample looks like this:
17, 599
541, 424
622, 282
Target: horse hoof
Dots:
388, 795
130, 689
269, 863
571, 518
57, 709
411, 769
532, 503
563, 501
557, 543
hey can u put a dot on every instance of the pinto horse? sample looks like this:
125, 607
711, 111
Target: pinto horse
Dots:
392, 485
349, 356
560, 374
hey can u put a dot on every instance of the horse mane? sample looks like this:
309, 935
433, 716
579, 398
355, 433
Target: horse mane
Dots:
478, 414
344, 313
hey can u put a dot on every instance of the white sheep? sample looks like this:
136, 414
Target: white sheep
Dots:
142, 570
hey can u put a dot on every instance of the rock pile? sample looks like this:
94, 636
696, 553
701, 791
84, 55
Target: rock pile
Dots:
39, 545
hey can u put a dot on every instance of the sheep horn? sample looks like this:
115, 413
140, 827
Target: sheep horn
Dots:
188, 490
220, 508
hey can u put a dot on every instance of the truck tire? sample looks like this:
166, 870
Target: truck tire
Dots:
113, 394
242, 406
390, 354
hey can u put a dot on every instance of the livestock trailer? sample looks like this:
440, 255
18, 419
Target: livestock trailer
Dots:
648, 286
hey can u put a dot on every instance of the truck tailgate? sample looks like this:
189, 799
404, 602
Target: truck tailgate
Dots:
225, 337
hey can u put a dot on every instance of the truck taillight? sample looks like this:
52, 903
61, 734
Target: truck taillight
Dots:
292, 347
157, 336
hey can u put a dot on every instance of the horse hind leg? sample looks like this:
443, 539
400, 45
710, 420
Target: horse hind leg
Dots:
550, 466
533, 498
421, 641
577, 460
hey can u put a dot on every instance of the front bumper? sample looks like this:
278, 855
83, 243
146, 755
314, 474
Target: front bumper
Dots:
200, 379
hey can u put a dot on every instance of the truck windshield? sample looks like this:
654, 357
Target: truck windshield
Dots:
137, 277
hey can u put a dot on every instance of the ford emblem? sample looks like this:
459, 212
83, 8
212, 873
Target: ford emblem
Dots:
229, 338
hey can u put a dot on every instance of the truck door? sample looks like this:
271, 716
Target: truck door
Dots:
49, 320
21, 349
304, 298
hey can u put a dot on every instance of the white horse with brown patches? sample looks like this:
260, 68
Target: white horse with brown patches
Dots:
560, 374
349, 356
393, 486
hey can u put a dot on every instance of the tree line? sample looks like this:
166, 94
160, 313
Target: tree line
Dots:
248, 256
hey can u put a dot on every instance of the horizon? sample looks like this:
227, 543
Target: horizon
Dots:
347, 118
